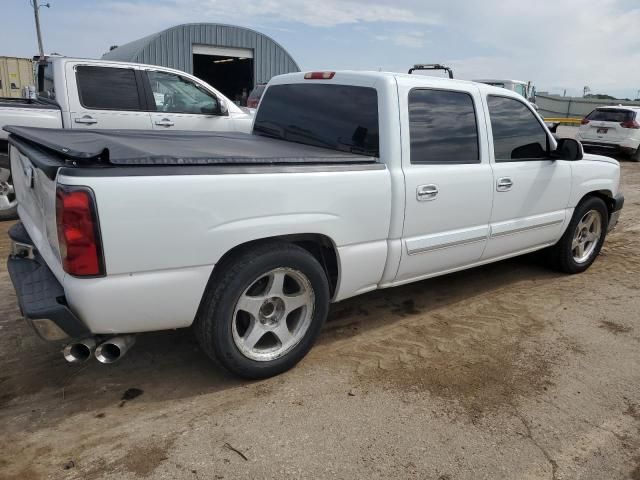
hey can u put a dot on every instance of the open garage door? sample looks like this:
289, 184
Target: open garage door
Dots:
230, 70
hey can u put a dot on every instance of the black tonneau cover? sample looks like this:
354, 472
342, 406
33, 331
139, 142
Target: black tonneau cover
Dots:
153, 147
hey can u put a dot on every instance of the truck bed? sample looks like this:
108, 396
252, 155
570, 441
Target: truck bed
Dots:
23, 111
83, 148
10, 102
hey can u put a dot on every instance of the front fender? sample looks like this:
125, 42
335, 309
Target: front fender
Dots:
594, 174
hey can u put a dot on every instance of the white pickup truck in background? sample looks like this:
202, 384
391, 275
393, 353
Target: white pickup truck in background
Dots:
349, 182
82, 93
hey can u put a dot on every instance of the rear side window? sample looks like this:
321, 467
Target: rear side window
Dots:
46, 88
517, 133
339, 117
611, 115
442, 127
105, 88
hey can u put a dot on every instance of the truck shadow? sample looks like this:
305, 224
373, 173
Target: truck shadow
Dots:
37, 382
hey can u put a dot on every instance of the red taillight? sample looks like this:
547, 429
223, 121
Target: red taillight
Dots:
252, 103
319, 75
78, 232
630, 124
584, 121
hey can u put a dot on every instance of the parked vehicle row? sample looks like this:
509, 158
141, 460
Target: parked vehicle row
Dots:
90, 94
349, 182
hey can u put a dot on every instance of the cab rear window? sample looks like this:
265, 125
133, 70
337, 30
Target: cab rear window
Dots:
46, 87
611, 115
338, 117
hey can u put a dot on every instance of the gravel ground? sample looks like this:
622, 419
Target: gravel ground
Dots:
506, 371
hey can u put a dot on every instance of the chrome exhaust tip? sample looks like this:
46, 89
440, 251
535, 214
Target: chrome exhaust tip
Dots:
114, 349
79, 352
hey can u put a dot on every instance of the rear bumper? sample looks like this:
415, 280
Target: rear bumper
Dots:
40, 296
618, 203
607, 148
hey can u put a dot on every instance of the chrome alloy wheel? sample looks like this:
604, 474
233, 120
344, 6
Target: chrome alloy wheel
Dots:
7, 193
586, 236
273, 314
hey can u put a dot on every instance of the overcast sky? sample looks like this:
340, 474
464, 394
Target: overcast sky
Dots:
558, 44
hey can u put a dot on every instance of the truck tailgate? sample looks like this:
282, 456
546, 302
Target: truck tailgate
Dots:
36, 194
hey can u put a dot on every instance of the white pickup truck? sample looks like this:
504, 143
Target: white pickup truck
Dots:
82, 93
349, 182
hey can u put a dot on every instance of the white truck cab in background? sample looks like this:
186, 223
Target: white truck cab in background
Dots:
524, 89
99, 94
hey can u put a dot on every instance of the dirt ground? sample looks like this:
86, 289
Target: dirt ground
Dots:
507, 371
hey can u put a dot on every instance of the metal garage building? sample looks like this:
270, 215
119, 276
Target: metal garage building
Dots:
232, 59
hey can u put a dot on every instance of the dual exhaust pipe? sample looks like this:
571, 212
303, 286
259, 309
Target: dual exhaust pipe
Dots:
108, 351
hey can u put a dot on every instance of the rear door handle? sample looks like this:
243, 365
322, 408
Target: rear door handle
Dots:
424, 193
504, 184
165, 122
86, 120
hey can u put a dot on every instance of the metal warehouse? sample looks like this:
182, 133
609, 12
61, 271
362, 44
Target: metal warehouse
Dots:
232, 59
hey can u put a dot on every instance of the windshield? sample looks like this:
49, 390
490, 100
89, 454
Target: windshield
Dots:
339, 117
611, 115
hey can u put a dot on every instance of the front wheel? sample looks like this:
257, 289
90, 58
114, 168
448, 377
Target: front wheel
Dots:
8, 201
583, 239
264, 310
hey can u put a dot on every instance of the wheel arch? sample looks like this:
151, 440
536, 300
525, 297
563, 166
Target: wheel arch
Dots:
320, 246
605, 195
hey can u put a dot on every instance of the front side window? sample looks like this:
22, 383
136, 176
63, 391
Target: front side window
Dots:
442, 127
339, 117
517, 133
176, 94
106, 88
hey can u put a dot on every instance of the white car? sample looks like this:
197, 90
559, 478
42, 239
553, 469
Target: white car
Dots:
610, 130
350, 182
98, 94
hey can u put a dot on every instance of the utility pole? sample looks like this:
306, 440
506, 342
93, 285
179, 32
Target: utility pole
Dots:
36, 14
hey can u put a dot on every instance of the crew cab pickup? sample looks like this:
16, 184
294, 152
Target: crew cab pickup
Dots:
349, 182
83, 94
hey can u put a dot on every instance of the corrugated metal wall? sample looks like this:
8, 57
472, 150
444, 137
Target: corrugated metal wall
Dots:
173, 48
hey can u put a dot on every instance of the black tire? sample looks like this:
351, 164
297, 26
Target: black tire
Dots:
635, 157
214, 322
561, 256
8, 213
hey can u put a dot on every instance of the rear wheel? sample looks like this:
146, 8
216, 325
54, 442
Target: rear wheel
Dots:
583, 239
264, 311
8, 201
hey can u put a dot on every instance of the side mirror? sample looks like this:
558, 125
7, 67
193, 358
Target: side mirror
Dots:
212, 109
569, 149
215, 108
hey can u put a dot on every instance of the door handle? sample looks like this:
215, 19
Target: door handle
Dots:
504, 184
165, 122
425, 193
86, 120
